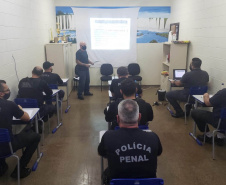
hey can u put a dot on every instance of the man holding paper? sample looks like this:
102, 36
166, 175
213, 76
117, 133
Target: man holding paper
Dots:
83, 63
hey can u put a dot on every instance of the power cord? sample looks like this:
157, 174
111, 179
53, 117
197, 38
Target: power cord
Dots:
15, 68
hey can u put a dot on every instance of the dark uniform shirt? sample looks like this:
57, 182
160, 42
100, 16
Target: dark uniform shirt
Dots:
196, 77
115, 88
131, 152
34, 88
52, 78
8, 109
82, 56
218, 101
144, 108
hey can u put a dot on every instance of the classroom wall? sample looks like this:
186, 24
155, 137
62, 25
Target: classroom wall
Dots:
149, 56
24, 30
203, 23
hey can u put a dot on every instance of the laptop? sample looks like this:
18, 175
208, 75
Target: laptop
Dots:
178, 73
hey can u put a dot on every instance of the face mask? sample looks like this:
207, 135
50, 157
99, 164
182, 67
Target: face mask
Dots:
6, 96
84, 47
51, 70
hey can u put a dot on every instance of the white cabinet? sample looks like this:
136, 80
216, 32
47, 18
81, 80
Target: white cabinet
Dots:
177, 55
61, 55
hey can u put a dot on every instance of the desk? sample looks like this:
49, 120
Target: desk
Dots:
55, 93
198, 99
65, 83
101, 133
32, 112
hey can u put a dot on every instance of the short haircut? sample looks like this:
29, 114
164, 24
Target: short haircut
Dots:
128, 87
1, 86
37, 71
128, 111
196, 62
122, 71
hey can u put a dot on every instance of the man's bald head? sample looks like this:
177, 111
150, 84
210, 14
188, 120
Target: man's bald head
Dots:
83, 45
37, 71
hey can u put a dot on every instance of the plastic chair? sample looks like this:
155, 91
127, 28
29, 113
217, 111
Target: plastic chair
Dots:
134, 71
76, 78
5, 138
220, 127
199, 90
31, 103
145, 181
106, 71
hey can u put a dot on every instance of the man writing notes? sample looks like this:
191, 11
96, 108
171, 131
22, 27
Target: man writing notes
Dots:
83, 63
196, 77
202, 117
25, 139
131, 152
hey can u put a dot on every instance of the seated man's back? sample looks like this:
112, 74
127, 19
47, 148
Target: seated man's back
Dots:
34, 88
52, 78
131, 152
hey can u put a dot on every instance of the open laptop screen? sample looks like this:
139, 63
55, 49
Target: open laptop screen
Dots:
178, 73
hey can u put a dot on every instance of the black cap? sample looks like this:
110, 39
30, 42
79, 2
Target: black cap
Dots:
47, 65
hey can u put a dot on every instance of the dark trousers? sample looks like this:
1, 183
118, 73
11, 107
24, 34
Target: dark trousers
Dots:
201, 118
174, 96
84, 80
27, 139
61, 94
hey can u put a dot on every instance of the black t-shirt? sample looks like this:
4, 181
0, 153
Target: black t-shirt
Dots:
34, 88
218, 101
82, 56
196, 77
144, 108
131, 152
115, 88
8, 109
52, 78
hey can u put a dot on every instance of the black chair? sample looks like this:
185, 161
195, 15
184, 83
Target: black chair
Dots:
134, 71
76, 78
106, 71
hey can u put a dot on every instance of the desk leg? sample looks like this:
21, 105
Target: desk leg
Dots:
39, 154
68, 106
193, 135
58, 117
102, 169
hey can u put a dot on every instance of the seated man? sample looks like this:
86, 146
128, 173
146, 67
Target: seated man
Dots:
131, 152
52, 78
33, 88
202, 117
128, 90
196, 77
115, 85
29, 139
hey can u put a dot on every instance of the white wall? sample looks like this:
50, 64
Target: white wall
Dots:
203, 23
24, 30
149, 56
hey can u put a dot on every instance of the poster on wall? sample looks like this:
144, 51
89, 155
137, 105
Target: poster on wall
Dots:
153, 23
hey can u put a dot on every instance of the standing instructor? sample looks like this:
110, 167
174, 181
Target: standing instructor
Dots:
83, 63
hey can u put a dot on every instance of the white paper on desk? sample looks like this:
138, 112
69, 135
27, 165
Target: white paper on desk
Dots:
27, 111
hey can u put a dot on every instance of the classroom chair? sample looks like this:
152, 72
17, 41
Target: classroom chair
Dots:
5, 138
76, 78
221, 126
134, 71
143, 181
106, 71
142, 127
32, 103
199, 90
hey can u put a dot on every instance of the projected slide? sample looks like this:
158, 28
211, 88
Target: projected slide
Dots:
110, 33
